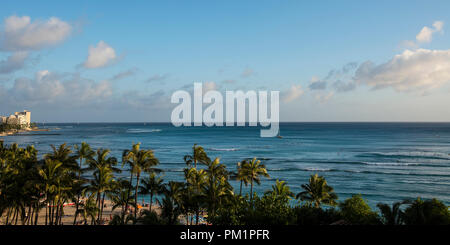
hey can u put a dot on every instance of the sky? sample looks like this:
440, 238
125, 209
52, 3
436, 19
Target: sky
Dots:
120, 61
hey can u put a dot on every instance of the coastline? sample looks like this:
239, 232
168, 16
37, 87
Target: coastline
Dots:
16, 131
69, 214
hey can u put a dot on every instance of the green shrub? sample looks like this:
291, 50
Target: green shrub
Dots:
428, 212
355, 210
310, 215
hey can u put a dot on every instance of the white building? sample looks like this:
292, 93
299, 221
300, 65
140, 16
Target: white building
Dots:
22, 118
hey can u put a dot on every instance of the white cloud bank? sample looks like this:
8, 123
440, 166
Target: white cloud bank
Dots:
21, 36
20, 33
420, 69
100, 56
68, 90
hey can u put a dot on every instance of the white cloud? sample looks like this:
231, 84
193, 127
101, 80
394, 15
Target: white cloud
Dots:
20, 33
64, 90
14, 62
293, 93
426, 34
438, 25
100, 56
420, 69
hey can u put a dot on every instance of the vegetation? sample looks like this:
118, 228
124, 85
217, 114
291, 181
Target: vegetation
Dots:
4, 127
30, 186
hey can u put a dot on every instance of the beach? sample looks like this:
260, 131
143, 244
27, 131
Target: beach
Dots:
69, 212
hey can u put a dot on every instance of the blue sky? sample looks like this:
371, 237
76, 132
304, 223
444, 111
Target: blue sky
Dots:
159, 47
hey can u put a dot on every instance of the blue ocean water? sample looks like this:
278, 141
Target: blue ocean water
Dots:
385, 162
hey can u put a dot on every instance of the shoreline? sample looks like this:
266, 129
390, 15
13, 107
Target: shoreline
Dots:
18, 131
69, 214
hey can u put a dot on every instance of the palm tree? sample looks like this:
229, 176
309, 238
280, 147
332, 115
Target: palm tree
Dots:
121, 197
317, 191
63, 155
89, 209
281, 189
172, 201
103, 168
82, 152
254, 169
139, 160
216, 187
151, 186
198, 156
54, 178
391, 216
242, 176
196, 179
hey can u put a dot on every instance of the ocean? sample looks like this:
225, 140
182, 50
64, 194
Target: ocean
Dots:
385, 162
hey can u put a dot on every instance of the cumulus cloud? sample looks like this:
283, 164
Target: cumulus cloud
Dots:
20, 37
293, 93
20, 33
426, 34
14, 62
420, 69
100, 56
47, 88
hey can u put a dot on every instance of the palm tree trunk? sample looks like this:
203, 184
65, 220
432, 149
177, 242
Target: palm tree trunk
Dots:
46, 213
27, 219
17, 217
56, 217
50, 212
129, 191
136, 195
14, 216
151, 201
37, 214
8, 215
103, 204
78, 194
240, 189
251, 192
197, 213
98, 205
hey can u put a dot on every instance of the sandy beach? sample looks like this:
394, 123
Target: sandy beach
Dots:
69, 211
